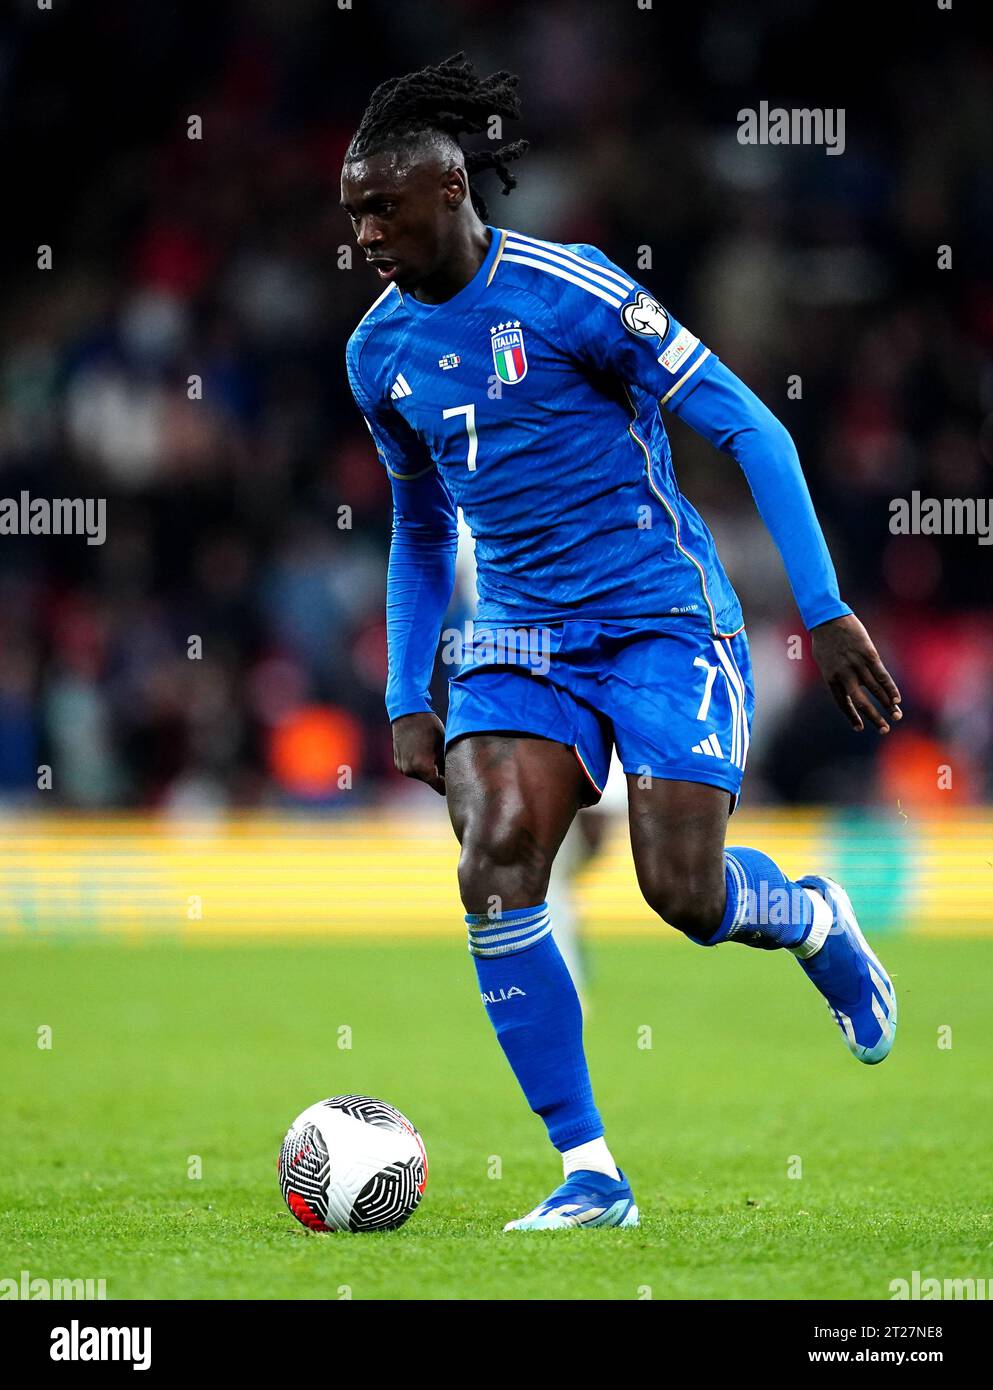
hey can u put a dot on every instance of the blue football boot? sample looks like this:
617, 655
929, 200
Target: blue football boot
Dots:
584, 1199
858, 990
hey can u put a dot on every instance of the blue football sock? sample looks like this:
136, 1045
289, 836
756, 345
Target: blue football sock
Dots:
763, 908
533, 1005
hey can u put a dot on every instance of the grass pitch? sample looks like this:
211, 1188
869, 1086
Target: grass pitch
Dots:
163, 1051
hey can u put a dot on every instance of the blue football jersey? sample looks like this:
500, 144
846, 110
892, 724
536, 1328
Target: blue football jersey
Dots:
531, 399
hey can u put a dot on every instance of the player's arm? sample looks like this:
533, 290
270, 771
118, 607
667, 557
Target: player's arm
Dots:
419, 583
723, 409
621, 327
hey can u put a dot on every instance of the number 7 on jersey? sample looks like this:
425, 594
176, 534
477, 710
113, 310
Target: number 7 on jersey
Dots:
469, 411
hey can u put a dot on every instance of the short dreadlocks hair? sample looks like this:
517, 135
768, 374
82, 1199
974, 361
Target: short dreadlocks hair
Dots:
443, 102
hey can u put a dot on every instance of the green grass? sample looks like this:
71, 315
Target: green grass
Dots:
162, 1051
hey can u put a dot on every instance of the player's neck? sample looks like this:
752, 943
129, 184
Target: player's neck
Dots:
459, 268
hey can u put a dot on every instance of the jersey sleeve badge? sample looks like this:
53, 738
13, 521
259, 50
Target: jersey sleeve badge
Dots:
645, 315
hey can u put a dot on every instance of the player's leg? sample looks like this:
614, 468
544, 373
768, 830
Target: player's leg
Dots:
679, 806
512, 798
710, 893
740, 894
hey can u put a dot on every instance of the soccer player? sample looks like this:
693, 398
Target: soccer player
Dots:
524, 381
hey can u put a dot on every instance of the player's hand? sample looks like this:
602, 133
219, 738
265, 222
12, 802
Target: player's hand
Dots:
419, 749
851, 666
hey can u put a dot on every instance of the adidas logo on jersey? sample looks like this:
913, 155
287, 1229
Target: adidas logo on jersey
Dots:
709, 746
400, 388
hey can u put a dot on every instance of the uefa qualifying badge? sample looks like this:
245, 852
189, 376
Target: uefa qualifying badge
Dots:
646, 316
510, 360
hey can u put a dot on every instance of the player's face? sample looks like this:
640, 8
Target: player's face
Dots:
401, 215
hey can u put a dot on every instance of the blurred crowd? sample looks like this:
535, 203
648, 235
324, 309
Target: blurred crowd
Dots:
183, 358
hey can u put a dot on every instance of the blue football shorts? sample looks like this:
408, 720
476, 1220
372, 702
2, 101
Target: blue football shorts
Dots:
676, 701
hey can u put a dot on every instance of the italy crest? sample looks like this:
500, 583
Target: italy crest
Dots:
510, 360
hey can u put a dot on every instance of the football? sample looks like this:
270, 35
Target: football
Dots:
352, 1163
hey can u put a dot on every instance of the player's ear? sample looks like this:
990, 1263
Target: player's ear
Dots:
455, 186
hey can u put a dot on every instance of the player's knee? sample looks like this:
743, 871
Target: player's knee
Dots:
691, 904
500, 859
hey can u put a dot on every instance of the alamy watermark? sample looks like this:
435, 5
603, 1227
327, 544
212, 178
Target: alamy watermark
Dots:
775, 125
917, 1287
54, 516
942, 516
771, 907
27, 1286
529, 647
79, 1342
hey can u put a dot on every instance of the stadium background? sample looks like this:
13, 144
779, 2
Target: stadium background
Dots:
202, 796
